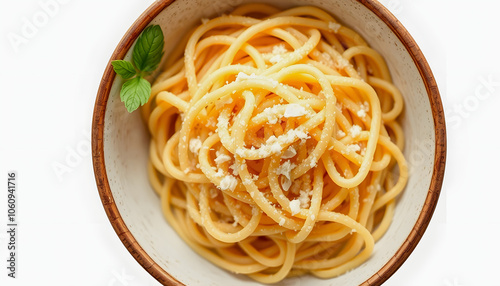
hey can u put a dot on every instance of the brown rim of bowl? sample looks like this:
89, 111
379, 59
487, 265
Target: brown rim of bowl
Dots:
163, 276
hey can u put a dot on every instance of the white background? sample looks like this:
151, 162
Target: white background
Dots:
51, 63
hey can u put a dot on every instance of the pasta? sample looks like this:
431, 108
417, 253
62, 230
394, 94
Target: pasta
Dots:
275, 146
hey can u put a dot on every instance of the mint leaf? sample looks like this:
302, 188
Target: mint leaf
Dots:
149, 49
135, 92
124, 68
146, 57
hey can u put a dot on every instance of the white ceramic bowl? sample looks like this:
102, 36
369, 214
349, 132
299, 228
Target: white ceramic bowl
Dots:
120, 149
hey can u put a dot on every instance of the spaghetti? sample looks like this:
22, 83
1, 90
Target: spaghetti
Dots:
273, 143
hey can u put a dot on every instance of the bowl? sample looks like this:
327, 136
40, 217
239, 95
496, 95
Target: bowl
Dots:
120, 149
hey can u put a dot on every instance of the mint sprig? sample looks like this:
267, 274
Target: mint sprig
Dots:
146, 57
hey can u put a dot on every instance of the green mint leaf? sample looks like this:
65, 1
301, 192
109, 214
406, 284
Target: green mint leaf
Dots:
135, 92
124, 68
146, 57
149, 49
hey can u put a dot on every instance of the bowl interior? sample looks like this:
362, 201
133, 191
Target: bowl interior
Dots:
126, 144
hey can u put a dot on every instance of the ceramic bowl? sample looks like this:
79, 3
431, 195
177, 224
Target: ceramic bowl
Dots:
120, 149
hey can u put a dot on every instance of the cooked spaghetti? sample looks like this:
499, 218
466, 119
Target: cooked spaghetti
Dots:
275, 146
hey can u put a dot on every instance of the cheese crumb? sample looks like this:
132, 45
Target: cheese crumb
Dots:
352, 148
355, 130
334, 26
204, 20
228, 183
364, 108
272, 114
255, 210
279, 49
221, 158
295, 206
234, 167
289, 153
286, 183
219, 173
363, 152
242, 76
304, 199
342, 63
222, 122
340, 133
292, 134
361, 113
285, 169
294, 110
240, 152
235, 223
276, 147
195, 145
275, 59
223, 101
314, 162
282, 221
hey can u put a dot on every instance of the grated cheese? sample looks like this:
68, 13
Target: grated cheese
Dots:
282, 221
236, 221
221, 158
222, 123
352, 148
294, 110
327, 60
343, 63
234, 167
242, 76
228, 183
355, 131
219, 173
289, 153
286, 183
313, 163
295, 206
304, 199
279, 49
275, 145
334, 26
272, 114
361, 113
275, 59
285, 169
340, 133
223, 101
195, 145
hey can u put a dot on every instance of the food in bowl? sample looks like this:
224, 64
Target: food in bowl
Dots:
275, 143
